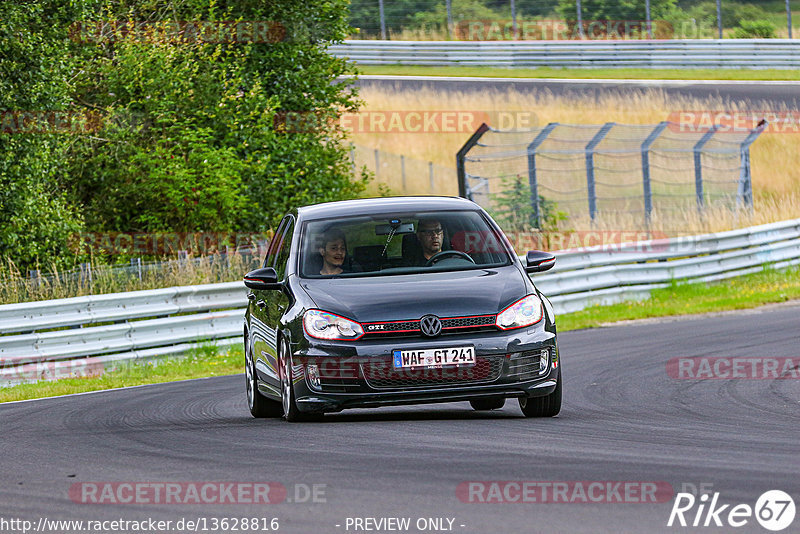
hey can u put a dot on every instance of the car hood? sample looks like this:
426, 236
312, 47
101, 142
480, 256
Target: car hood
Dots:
398, 297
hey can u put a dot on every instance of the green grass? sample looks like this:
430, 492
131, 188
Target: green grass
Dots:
203, 362
643, 74
679, 299
749, 291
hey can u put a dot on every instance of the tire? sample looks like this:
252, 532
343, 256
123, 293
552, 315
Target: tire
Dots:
482, 405
288, 405
547, 406
260, 406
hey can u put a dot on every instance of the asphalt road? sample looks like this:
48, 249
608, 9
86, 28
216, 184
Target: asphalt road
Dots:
624, 419
769, 95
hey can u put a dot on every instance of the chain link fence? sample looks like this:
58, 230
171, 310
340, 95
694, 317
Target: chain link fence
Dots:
578, 172
397, 174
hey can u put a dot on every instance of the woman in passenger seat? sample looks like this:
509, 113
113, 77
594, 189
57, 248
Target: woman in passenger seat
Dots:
333, 249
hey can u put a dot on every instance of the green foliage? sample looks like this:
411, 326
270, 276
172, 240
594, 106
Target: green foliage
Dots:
35, 217
513, 210
183, 134
753, 29
615, 9
463, 10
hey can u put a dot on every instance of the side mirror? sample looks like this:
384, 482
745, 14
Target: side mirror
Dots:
537, 261
261, 279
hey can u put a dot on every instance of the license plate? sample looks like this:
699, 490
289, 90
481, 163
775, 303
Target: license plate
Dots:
433, 358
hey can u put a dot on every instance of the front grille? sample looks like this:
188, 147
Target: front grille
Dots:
411, 327
463, 322
381, 374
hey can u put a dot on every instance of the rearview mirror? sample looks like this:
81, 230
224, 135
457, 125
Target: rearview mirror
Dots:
537, 261
262, 279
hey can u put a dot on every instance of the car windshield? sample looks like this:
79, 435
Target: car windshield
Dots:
404, 243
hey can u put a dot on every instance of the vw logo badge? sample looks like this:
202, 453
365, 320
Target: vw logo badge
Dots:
430, 325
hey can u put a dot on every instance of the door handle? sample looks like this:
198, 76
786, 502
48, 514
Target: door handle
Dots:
261, 304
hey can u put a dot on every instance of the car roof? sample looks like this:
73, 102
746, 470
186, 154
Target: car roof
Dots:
376, 206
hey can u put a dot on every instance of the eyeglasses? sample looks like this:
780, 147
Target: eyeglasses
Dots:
432, 232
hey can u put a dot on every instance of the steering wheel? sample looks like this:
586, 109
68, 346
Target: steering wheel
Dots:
445, 253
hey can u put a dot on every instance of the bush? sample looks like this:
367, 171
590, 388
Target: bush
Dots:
755, 29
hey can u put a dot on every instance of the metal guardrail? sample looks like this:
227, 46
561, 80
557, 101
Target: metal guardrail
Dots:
673, 53
157, 323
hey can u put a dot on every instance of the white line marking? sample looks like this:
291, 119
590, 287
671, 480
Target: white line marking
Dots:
645, 82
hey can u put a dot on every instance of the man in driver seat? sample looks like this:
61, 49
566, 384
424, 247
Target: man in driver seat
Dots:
430, 235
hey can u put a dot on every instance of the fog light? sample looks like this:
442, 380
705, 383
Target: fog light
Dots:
544, 358
313, 375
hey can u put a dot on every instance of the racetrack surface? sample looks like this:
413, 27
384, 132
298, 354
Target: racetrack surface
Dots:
769, 95
624, 419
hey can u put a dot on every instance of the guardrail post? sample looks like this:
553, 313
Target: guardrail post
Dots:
648, 193
601, 133
463, 187
744, 194
698, 165
430, 174
532, 180
377, 164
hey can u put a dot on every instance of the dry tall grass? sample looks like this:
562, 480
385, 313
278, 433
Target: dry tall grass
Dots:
775, 157
58, 284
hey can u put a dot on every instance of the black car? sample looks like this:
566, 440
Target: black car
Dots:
379, 302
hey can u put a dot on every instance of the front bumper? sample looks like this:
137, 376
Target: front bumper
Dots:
332, 376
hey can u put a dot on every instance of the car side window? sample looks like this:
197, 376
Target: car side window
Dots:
284, 247
274, 245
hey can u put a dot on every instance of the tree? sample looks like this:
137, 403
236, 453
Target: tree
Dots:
36, 219
184, 132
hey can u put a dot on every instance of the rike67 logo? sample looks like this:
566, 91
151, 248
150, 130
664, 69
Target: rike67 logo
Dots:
774, 510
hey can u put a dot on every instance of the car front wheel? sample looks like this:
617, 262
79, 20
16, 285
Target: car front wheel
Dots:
290, 411
546, 406
260, 406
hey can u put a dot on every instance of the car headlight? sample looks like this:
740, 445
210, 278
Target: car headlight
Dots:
525, 312
324, 325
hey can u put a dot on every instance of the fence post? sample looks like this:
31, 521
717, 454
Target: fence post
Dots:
383, 19
463, 188
532, 179
430, 175
86, 273
137, 263
648, 193
590, 146
698, 165
403, 171
35, 277
745, 189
